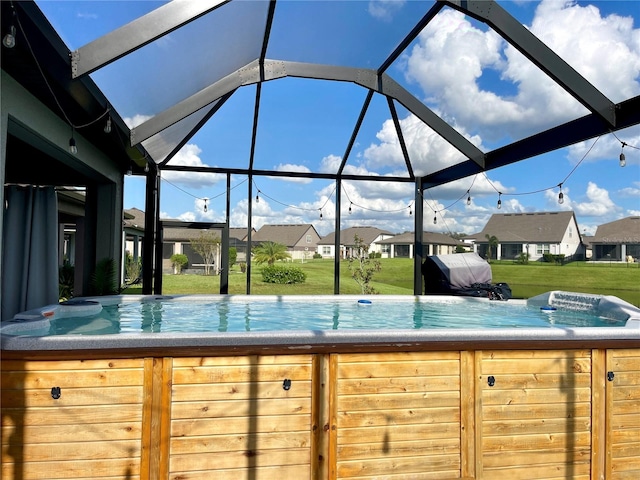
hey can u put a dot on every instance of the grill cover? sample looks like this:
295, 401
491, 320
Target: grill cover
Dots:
446, 274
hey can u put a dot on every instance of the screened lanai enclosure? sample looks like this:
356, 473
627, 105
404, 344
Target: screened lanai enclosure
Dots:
163, 73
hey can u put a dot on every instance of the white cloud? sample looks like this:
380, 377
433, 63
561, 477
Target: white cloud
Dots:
189, 155
598, 203
578, 34
384, 9
136, 120
289, 167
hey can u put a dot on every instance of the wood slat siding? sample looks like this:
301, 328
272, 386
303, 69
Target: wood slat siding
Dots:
398, 415
536, 418
93, 431
623, 415
231, 418
551, 414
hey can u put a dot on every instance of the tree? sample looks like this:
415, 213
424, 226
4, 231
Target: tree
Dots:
493, 244
178, 261
362, 267
207, 245
269, 252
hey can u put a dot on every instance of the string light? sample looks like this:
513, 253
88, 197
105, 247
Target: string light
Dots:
560, 195
129, 170
72, 144
320, 214
410, 210
146, 167
9, 40
435, 218
499, 206
107, 126
258, 197
350, 207
204, 207
623, 160
468, 198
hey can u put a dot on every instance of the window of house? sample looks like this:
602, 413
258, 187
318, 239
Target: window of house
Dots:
386, 248
542, 248
326, 250
308, 238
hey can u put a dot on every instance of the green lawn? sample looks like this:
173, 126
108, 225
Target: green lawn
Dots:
396, 278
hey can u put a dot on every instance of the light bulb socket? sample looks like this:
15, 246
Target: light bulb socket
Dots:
560, 198
468, 200
623, 160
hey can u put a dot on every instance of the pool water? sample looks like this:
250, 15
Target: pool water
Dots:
261, 315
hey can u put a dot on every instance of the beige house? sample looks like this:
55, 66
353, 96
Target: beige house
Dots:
369, 235
402, 246
536, 234
617, 241
301, 239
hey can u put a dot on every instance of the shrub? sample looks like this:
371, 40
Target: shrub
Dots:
523, 258
283, 274
243, 267
66, 275
178, 260
103, 279
317, 256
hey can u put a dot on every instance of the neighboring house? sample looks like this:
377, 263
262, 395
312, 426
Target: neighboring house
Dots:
617, 241
401, 246
369, 235
178, 240
536, 233
133, 227
300, 239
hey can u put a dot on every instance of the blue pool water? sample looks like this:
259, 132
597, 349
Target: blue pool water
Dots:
311, 313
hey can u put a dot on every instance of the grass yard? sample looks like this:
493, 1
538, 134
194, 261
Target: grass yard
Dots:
396, 278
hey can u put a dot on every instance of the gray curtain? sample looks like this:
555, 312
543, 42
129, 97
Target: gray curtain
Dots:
29, 249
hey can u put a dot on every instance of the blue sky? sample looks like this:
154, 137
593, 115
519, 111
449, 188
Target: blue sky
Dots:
459, 68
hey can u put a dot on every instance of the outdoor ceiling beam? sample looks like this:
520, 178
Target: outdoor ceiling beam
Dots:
356, 129
430, 15
273, 173
275, 69
137, 34
254, 128
247, 75
403, 146
579, 130
197, 127
489, 12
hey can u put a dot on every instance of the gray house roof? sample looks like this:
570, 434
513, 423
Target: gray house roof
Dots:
367, 234
134, 219
536, 227
625, 230
428, 238
286, 234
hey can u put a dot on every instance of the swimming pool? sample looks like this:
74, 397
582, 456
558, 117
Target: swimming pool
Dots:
344, 396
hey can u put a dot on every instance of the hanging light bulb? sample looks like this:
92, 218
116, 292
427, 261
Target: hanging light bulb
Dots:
435, 218
560, 196
9, 40
72, 144
320, 214
107, 127
205, 204
623, 160
499, 200
468, 199
350, 208
129, 170
146, 167
258, 197
410, 210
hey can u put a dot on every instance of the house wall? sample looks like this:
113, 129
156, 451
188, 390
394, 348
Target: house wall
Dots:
28, 119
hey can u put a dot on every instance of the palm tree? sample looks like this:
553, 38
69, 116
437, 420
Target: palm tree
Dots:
269, 252
493, 244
